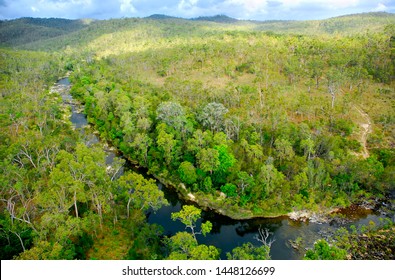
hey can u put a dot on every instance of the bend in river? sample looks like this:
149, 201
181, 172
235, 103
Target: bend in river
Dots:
228, 233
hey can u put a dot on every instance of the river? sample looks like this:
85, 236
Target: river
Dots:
228, 233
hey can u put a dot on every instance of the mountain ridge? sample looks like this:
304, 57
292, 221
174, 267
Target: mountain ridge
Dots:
29, 32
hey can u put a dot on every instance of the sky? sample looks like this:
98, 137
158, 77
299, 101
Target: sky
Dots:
240, 9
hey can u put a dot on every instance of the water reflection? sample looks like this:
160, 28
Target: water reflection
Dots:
226, 233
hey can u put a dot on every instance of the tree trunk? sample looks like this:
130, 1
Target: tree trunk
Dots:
75, 204
128, 207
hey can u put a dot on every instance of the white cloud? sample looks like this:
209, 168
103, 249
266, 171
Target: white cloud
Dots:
332, 4
244, 9
380, 8
127, 6
187, 4
249, 6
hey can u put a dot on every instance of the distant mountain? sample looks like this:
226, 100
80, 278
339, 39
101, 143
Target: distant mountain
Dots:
27, 30
347, 24
368, 15
217, 18
160, 16
55, 33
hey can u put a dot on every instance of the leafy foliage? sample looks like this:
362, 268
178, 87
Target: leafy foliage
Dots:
275, 122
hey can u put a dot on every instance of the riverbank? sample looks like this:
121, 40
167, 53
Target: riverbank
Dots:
242, 225
337, 215
218, 202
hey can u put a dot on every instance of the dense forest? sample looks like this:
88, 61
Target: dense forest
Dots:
247, 119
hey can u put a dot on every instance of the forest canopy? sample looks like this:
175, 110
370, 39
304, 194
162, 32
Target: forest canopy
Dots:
251, 119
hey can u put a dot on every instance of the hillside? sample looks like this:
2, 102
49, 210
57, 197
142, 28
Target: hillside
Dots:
346, 25
217, 18
26, 30
246, 119
57, 34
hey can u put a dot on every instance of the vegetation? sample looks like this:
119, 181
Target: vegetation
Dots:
276, 124
250, 123
371, 242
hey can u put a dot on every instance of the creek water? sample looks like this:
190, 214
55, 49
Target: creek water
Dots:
228, 233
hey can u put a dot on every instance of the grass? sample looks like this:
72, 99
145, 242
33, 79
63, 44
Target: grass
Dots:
113, 246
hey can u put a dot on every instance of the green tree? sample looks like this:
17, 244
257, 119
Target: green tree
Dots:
284, 150
172, 114
229, 189
270, 178
188, 215
226, 161
249, 252
187, 173
323, 251
308, 147
166, 144
244, 181
141, 144
181, 245
184, 247
78, 178
141, 193
213, 115
204, 252
208, 159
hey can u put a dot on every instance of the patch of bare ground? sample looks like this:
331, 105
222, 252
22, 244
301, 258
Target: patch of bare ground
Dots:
365, 124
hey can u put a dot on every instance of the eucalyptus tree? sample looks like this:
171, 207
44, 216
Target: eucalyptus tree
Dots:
213, 116
189, 215
140, 193
172, 114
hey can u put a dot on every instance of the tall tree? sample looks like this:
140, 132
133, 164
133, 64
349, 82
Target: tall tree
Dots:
189, 215
213, 116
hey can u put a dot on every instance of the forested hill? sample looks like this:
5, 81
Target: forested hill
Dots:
240, 117
26, 30
55, 34
346, 25
218, 18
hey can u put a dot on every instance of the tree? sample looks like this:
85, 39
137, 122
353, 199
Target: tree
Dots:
204, 252
147, 241
263, 237
166, 143
229, 189
249, 252
188, 215
172, 114
334, 77
323, 251
212, 116
142, 193
208, 159
270, 178
141, 144
308, 147
187, 173
78, 178
181, 245
315, 67
45, 250
253, 155
226, 161
284, 149
199, 140
244, 180
184, 247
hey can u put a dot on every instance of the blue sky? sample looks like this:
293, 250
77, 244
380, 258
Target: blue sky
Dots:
241, 9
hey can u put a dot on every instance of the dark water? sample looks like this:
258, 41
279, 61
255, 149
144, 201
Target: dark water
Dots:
227, 233
78, 119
